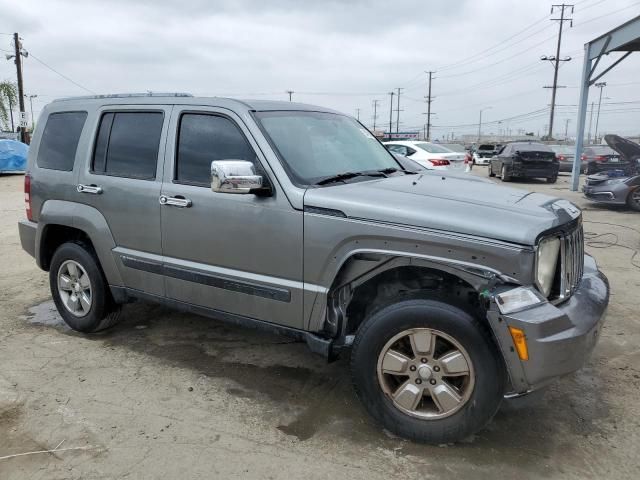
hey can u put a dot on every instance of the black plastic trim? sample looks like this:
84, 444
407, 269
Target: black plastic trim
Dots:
324, 211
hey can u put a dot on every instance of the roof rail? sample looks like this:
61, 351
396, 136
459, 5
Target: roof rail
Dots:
127, 95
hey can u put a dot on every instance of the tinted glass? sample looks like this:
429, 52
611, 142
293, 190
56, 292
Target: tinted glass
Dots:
60, 140
317, 145
203, 139
133, 144
530, 147
487, 147
100, 152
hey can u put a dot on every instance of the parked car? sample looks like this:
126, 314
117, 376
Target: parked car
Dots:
456, 147
619, 186
599, 158
429, 155
484, 153
448, 292
565, 155
525, 160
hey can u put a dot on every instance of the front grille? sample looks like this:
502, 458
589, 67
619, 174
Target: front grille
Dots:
571, 265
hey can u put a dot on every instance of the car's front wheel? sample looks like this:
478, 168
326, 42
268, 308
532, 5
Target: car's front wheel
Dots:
80, 290
427, 371
490, 170
633, 199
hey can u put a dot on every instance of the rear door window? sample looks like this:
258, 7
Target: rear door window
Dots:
59, 140
127, 144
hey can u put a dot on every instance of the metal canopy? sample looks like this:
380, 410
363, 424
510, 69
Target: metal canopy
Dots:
624, 38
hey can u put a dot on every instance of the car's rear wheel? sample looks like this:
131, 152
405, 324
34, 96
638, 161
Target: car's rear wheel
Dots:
80, 290
633, 199
504, 174
427, 371
490, 170
553, 179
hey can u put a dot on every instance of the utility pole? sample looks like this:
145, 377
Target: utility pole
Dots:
429, 100
11, 114
290, 92
480, 123
601, 86
358, 114
375, 113
391, 94
18, 60
398, 110
556, 59
590, 122
566, 129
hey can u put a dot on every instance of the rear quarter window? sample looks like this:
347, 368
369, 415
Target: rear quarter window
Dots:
59, 140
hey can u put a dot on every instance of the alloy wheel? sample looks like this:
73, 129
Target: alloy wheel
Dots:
74, 288
426, 373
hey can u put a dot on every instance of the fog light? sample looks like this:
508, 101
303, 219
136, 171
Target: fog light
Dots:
520, 342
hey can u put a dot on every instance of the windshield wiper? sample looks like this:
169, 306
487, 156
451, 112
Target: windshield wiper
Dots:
347, 175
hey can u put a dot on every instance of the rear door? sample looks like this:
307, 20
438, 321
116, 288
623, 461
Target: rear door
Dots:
235, 253
122, 181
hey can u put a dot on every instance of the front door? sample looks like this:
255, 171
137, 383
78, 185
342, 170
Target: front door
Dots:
235, 253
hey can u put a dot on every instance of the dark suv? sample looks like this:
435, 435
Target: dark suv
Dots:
525, 160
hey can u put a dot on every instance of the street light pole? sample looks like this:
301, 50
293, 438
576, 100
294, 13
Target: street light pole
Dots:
33, 124
601, 86
480, 123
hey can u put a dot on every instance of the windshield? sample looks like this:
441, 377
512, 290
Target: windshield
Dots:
597, 150
316, 145
432, 148
487, 147
564, 149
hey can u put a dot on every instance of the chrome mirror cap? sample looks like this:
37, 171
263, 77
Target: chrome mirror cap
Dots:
234, 176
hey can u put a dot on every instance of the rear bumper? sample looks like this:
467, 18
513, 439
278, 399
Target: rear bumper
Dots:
27, 231
523, 170
559, 338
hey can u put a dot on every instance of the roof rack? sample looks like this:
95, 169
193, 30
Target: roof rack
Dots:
127, 95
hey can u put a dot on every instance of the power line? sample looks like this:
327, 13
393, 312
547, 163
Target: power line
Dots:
62, 75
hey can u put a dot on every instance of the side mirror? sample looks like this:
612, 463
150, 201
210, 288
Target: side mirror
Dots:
235, 176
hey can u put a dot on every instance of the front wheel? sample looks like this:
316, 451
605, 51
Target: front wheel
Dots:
427, 371
80, 290
633, 199
490, 170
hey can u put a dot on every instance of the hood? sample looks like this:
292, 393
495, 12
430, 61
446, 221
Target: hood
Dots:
449, 203
626, 148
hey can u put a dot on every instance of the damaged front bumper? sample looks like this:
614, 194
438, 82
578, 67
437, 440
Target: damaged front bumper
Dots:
559, 337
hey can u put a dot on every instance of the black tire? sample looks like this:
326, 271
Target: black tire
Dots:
103, 311
489, 375
553, 179
490, 170
634, 204
504, 175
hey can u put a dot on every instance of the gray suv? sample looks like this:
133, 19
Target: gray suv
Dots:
448, 292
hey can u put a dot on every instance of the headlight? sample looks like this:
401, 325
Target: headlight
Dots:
546, 261
613, 181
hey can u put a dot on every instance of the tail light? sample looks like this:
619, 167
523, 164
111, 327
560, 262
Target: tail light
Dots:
27, 196
583, 157
600, 158
439, 162
560, 157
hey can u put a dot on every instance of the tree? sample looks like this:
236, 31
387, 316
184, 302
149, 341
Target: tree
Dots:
8, 98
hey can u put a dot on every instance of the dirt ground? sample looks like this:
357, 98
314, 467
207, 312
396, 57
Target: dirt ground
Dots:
171, 395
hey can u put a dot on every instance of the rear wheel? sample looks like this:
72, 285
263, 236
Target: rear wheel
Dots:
504, 175
490, 170
427, 371
553, 179
633, 199
79, 289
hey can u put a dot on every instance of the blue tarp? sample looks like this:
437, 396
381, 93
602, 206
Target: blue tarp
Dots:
13, 156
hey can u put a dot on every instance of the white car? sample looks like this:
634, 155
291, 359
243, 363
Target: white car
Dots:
484, 153
429, 155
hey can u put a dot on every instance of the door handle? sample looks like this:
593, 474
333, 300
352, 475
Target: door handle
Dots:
177, 201
94, 189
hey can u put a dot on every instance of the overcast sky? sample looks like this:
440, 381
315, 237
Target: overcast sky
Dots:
335, 53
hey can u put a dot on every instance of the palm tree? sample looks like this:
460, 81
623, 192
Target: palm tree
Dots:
8, 98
